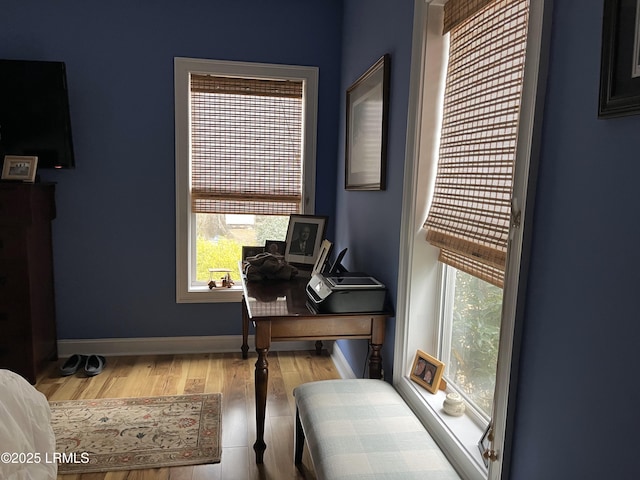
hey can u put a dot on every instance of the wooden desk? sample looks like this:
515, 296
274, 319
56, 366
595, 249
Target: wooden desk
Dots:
278, 311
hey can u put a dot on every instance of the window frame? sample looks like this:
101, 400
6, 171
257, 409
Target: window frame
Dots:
418, 311
186, 289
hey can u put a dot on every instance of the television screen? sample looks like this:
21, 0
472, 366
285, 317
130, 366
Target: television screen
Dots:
34, 112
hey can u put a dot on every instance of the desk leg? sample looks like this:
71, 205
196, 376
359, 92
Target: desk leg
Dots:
263, 342
245, 330
318, 347
375, 362
377, 338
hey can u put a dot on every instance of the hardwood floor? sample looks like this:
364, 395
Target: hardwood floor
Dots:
206, 373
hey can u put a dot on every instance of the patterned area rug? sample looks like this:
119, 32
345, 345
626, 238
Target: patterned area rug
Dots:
132, 433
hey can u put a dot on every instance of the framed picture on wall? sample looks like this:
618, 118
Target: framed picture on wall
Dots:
620, 62
367, 114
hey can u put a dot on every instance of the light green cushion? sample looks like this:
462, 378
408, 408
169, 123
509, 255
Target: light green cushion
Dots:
363, 430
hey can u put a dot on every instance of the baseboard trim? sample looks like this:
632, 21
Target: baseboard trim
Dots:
168, 345
340, 361
115, 347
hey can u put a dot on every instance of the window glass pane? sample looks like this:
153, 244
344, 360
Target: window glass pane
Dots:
220, 238
474, 338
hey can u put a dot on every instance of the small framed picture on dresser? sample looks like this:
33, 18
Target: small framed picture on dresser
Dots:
17, 167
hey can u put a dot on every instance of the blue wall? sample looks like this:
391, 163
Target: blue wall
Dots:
576, 407
576, 411
576, 402
368, 223
114, 235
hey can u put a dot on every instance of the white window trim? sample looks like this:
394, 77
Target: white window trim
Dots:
185, 228
414, 307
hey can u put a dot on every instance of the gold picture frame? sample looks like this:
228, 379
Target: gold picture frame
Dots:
427, 371
18, 167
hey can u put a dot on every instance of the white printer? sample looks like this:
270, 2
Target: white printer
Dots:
346, 292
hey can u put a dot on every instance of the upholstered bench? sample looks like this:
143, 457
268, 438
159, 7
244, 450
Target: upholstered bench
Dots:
362, 429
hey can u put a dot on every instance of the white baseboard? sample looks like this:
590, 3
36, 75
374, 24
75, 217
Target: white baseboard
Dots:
168, 345
340, 361
115, 347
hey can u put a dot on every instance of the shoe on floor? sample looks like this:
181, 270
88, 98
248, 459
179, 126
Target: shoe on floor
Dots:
72, 364
94, 365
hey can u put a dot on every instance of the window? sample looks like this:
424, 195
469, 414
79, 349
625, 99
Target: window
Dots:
245, 142
457, 292
470, 334
470, 212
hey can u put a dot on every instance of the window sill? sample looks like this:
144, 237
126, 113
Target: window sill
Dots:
457, 436
202, 294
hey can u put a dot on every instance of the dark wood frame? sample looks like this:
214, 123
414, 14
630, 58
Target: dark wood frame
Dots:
370, 89
619, 90
251, 251
281, 246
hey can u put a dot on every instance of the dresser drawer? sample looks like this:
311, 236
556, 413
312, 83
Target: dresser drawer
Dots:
14, 285
14, 323
13, 243
25, 203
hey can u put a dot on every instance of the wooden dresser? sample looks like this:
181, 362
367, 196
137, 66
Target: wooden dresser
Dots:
27, 306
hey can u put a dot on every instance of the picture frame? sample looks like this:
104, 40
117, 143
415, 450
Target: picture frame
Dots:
620, 59
18, 167
427, 371
484, 444
250, 251
325, 250
366, 128
275, 247
304, 237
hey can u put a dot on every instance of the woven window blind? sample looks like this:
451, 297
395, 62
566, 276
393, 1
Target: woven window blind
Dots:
246, 145
469, 217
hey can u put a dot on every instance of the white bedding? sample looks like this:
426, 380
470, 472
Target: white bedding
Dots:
27, 442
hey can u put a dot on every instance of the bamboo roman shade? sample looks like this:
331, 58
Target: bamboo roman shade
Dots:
246, 145
470, 213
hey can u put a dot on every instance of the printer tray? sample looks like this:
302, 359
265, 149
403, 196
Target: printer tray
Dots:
349, 301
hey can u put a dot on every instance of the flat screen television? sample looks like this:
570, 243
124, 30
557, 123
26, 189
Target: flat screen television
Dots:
34, 112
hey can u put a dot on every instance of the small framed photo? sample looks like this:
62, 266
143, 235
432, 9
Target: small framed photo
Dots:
275, 247
427, 371
367, 114
19, 168
251, 252
304, 237
325, 249
484, 445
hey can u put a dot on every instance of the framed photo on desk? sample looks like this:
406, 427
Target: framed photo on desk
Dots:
304, 237
325, 249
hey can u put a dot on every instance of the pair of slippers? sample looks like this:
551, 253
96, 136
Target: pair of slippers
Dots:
91, 364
